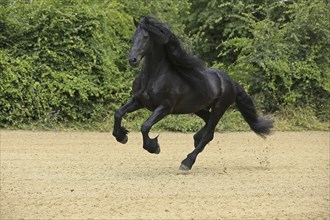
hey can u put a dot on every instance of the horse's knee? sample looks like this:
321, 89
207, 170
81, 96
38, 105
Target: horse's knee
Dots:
118, 114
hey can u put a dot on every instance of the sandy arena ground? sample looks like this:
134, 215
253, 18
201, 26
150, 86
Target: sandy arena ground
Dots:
82, 175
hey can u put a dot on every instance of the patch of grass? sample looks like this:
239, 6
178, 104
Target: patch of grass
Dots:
289, 119
299, 119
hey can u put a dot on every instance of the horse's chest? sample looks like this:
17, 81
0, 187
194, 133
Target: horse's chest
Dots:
154, 91
144, 97
149, 95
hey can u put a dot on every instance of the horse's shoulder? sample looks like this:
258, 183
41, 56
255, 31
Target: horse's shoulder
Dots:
136, 84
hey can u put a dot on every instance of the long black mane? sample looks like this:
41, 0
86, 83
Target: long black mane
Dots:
177, 55
186, 64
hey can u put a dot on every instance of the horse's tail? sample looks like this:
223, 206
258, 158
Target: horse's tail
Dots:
244, 103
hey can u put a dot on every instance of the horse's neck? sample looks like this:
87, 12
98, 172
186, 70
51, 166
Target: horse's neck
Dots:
152, 61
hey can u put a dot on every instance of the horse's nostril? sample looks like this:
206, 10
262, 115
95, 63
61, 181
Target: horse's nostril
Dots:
133, 60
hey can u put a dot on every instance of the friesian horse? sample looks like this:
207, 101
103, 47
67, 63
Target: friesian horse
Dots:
173, 81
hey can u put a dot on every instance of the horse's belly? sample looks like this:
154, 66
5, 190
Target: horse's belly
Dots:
191, 105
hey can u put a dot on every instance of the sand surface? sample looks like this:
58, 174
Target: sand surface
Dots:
83, 175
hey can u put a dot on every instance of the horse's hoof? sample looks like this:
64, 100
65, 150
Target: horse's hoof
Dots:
152, 146
124, 141
184, 167
152, 151
121, 135
157, 151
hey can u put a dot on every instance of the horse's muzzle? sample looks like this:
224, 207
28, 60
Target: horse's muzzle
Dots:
134, 59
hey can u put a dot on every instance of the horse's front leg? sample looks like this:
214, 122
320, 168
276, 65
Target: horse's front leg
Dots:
151, 145
120, 132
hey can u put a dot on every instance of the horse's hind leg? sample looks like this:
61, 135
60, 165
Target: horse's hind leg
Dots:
214, 117
120, 132
205, 115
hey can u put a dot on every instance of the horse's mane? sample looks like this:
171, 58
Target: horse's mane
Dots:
176, 54
185, 63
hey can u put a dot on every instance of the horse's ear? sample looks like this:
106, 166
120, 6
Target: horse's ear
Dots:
136, 23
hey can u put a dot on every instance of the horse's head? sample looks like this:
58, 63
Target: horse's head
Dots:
141, 45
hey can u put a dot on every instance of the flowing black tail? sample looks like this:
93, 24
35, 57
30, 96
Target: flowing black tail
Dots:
244, 103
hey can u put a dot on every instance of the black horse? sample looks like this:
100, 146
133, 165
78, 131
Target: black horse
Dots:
173, 81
